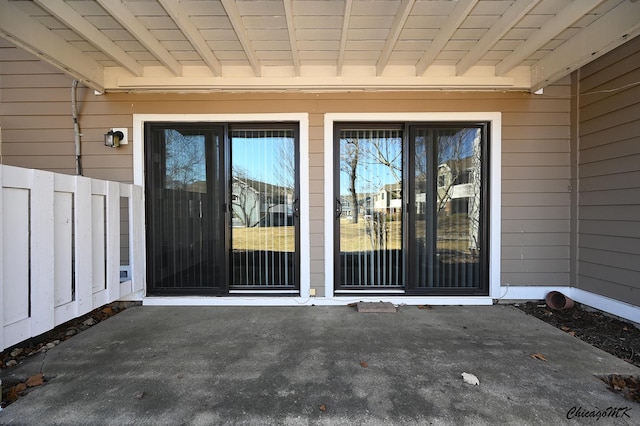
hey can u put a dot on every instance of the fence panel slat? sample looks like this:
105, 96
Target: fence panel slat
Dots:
15, 248
2, 264
63, 251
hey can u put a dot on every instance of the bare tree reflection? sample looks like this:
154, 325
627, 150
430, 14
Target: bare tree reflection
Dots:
185, 159
349, 159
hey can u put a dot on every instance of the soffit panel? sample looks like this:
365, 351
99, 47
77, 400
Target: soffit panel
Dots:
246, 35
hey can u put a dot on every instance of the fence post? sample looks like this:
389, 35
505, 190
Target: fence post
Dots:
137, 239
82, 241
42, 252
2, 265
113, 241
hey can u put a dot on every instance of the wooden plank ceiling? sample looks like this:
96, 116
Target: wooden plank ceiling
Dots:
317, 45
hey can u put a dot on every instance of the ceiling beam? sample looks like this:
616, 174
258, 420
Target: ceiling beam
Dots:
605, 34
512, 16
554, 26
130, 23
288, 10
394, 33
29, 34
348, 5
188, 28
241, 32
451, 25
86, 29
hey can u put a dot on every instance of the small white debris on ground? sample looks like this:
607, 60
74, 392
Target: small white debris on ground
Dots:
470, 378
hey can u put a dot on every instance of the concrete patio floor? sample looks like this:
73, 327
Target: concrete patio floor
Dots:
321, 366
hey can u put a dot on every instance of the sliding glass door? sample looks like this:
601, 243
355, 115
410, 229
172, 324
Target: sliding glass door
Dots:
222, 208
409, 208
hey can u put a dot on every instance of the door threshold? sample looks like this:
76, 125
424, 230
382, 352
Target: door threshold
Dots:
264, 292
369, 292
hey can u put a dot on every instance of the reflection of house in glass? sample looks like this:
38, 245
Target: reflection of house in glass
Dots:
455, 186
458, 196
388, 199
364, 208
260, 204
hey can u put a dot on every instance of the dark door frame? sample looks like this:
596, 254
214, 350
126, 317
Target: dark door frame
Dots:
408, 216
223, 186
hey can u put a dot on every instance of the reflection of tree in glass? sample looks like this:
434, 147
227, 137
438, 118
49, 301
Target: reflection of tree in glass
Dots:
371, 159
386, 151
421, 160
349, 157
185, 160
245, 200
455, 153
285, 170
459, 181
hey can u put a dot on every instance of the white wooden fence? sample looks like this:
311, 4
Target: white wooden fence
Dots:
60, 252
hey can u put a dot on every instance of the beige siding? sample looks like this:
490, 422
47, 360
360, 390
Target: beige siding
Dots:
609, 171
37, 132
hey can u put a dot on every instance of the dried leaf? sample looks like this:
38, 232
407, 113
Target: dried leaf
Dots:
425, 307
323, 408
35, 380
470, 378
573, 333
140, 395
364, 364
107, 311
20, 387
538, 356
565, 328
617, 381
352, 305
12, 395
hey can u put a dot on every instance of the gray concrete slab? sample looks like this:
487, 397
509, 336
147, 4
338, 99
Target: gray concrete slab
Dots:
320, 366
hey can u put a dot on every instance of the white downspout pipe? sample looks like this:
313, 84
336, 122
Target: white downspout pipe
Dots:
76, 127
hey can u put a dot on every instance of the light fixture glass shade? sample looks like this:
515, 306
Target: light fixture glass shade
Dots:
113, 139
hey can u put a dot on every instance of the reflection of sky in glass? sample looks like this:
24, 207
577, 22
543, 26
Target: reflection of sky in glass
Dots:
268, 159
457, 144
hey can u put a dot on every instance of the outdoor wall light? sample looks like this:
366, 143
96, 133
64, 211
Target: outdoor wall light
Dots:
112, 138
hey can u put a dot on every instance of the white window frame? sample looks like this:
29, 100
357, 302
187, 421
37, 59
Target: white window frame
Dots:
495, 190
302, 119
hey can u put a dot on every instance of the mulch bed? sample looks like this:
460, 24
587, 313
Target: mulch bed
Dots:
617, 337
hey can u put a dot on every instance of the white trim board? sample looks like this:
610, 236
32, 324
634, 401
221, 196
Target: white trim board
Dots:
509, 294
495, 177
311, 301
302, 118
606, 304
